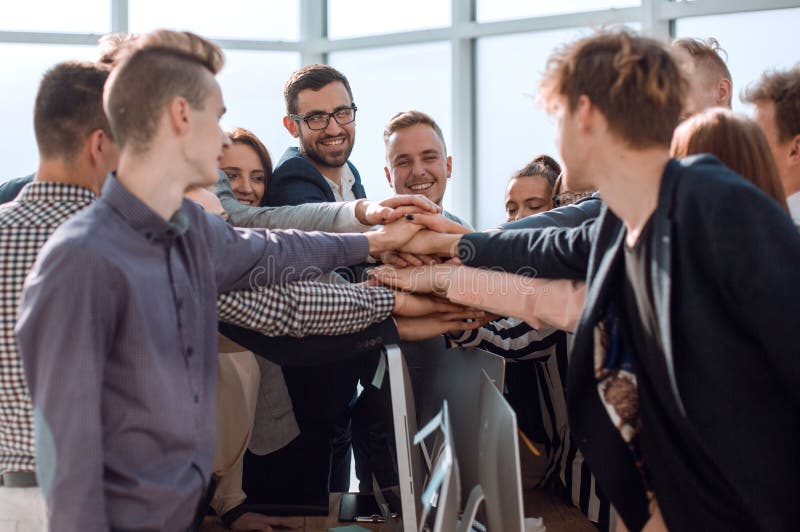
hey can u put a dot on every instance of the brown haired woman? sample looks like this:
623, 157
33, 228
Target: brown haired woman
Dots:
735, 140
248, 166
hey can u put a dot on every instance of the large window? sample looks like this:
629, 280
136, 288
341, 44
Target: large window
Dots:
511, 127
490, 10
242, 19
252, 86
353, 18
388, 80
73, 16
17, 141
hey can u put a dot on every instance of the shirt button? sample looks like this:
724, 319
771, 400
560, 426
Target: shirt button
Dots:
196, 398
189, 351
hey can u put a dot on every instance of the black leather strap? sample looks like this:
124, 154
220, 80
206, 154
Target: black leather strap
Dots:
18, 479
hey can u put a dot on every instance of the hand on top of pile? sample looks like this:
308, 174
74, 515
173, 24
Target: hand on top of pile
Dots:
391, 209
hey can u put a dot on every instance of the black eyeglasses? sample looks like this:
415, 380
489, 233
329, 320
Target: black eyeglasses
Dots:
319, 121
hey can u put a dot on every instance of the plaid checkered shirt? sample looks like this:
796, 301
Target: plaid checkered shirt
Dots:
294, 309
25, 225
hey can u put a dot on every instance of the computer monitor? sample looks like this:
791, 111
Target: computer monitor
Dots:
499, 466
441, 499
439, 374
409, 459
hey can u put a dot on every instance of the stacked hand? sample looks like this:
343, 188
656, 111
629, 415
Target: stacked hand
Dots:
438, 239
433, 279
420, 240
420, 317
391, 209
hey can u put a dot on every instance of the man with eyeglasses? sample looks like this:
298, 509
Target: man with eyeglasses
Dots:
320, 113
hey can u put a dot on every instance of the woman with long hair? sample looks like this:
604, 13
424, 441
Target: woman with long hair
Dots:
248, 166
735, 140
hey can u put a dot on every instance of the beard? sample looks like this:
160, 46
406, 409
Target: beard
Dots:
331, 159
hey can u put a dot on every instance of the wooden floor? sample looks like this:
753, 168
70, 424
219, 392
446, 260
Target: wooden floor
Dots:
559, 516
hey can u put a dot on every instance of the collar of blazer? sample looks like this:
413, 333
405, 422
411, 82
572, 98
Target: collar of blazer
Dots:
606, 262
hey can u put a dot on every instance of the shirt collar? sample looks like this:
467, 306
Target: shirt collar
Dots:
793, 201
140, 217
49, 191
348, 180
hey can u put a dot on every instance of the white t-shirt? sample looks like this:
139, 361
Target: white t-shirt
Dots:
794, 207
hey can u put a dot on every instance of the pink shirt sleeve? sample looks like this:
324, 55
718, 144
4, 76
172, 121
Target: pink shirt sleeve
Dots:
540, 302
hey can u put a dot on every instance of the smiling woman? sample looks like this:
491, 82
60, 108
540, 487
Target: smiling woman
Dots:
248, 166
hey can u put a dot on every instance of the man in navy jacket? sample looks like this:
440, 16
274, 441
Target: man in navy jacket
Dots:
683, 384
320, 113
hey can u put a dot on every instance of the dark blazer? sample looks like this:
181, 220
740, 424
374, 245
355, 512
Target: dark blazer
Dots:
10, 189
725, 392
296, 181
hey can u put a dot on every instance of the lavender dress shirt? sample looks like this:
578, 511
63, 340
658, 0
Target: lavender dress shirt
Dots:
117, 332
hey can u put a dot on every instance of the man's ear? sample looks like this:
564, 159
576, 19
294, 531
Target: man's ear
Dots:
291, 126
794, 151
102, 148
449, 165
104, 157
179, 115
724, 91
585, 113
388, 176
95, 145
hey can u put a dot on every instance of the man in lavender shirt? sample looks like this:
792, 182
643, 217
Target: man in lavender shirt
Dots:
117, 324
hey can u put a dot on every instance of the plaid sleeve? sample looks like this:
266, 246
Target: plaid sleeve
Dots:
306, 308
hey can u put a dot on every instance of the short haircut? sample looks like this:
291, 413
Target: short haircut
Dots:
541, 165
707, 55
313, 77
152, 69
69, 107
633, 81
407, 119
781, 87
244, 136
735, 140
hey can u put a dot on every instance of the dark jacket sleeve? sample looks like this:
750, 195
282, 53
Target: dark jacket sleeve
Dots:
552, 252
10, 189
567, 216
314, 350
